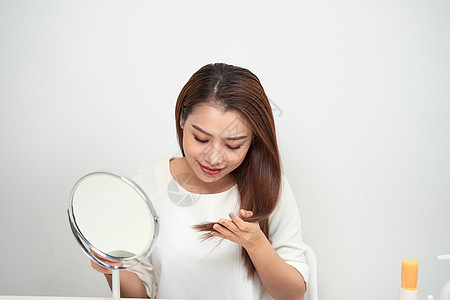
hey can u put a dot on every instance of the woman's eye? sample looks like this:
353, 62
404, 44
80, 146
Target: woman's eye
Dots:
234, 148
199, 140
205, 141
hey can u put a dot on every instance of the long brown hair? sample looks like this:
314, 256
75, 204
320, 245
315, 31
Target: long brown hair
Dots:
258, 177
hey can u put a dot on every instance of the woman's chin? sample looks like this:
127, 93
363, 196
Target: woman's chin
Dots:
208, 178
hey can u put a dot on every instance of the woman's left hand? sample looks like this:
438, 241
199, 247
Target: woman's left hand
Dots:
246, 234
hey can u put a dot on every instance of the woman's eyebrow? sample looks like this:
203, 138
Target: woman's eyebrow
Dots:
234, 138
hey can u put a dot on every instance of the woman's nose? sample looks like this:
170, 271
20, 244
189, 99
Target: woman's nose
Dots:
214, 156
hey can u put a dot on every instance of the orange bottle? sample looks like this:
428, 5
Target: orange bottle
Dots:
408, 289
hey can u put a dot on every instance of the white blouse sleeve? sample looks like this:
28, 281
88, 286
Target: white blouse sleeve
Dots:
145, 272
285, 231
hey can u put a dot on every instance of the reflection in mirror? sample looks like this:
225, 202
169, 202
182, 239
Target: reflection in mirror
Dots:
111, 217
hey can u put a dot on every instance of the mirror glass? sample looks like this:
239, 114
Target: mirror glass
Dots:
111, 217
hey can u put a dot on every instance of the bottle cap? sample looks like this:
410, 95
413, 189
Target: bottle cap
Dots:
410, 271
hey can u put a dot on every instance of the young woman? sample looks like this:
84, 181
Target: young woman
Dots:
229, 224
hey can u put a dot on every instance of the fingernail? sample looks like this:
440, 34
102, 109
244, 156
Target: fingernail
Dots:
223, 222
231, 215
217, 228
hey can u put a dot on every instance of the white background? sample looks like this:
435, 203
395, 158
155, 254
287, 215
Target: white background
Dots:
364, 127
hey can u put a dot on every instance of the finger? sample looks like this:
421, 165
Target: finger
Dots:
238, 221
100, 269
104, 259
246, 213
107, 261
217, 234
224, 231
230, 225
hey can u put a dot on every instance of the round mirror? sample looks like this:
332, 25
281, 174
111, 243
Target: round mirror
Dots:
111, 217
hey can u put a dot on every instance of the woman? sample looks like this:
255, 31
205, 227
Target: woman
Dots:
229, 225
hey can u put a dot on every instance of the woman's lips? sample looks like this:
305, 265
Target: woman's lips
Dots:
209, 171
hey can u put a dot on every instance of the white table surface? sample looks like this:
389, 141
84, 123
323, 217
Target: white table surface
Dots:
53, 298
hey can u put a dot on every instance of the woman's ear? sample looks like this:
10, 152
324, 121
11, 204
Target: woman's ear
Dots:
182, 123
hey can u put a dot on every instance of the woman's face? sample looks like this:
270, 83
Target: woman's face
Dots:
215, 143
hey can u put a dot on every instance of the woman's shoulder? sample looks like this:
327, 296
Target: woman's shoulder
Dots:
154, 165
153, 173
285, 186
286, 200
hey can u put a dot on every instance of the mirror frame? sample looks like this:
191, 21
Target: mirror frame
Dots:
85, 244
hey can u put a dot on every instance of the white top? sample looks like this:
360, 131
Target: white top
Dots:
182, 266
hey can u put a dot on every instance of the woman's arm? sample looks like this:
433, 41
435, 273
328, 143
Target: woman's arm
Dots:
281, 280
131, 286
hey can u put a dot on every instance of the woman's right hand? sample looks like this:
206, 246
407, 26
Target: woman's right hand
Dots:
108, 261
